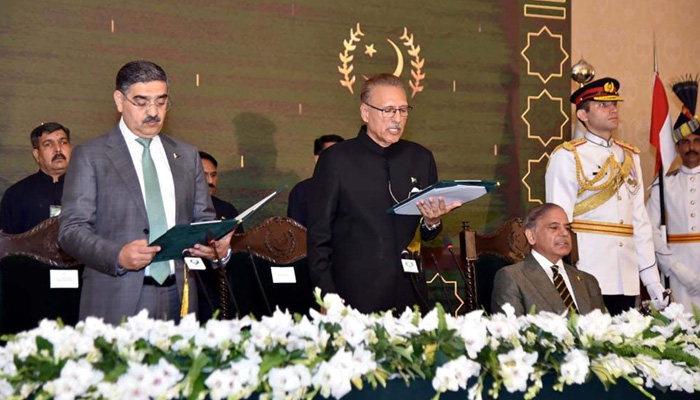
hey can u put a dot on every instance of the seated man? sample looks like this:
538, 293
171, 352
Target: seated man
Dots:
543, 280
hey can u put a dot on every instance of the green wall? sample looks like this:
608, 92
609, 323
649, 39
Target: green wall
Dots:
269, 83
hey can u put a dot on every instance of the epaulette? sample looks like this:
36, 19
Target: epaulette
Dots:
634, 149
673, 172
570, 145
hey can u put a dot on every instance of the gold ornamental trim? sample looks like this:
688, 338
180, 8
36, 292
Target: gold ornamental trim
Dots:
602, 228
616, 173
684, 238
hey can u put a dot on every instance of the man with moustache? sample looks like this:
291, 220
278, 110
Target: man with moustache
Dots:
354, 246
209, 297
597, 180
542, 281
678, 248
125, 189
38, 196
24, 205
224, 209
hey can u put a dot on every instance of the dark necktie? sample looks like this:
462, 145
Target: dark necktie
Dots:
157, 223
561, 288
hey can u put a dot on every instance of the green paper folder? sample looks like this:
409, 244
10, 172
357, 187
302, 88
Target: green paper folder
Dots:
181, 237
463, 191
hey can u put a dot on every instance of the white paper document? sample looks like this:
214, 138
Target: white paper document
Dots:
462, 191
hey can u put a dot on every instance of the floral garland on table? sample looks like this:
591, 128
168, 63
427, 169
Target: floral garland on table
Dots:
286, 356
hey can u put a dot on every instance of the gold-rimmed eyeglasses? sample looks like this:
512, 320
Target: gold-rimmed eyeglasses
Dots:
389, 112
143, 103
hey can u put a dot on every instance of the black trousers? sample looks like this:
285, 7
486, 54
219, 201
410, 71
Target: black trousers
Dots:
619, 303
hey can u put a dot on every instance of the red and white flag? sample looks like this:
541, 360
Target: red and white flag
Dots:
661, 134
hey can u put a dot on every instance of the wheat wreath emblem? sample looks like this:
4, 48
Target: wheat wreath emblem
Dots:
346, 57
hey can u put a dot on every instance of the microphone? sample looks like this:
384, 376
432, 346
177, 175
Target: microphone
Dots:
442, 283
447, 242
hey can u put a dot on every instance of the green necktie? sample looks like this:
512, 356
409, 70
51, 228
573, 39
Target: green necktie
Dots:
157, 223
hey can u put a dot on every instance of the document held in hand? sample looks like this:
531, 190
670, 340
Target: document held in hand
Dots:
463, 191
181, 237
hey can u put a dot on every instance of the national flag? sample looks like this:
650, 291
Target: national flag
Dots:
661, 133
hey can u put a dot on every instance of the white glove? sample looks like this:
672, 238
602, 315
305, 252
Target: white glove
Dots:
687, 277
656, 292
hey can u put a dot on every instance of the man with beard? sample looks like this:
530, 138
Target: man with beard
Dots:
542, 280
123, 190
38, 196
354, 245
678, 249
597, 180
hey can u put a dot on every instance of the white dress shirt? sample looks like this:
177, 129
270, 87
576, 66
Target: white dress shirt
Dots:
547, 267
165, 176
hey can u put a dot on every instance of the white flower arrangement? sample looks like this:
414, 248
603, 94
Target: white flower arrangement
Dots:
328, 354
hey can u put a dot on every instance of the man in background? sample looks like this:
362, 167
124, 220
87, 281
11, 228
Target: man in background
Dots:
24, 205
678, 253
597, 180
298, 206
224, 209
543, 281
211, 277
38, 196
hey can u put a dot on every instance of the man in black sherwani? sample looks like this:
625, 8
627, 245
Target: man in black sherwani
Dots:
354, 245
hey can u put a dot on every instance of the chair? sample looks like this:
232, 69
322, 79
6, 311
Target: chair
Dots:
26, 260
276, 242
486, 254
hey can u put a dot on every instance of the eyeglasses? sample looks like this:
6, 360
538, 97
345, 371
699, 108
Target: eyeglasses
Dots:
389, 112
143, 104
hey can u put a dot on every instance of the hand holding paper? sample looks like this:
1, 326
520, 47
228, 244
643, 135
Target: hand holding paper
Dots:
432, 212
452, 194
193, 237
205, 251
137, 254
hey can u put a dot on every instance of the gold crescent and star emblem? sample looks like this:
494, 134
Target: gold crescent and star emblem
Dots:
346, 68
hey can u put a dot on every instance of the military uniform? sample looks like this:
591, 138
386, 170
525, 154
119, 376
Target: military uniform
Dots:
679, 254
599, 185
678, 243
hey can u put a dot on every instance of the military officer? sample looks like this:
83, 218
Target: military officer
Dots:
678, 253
597, 180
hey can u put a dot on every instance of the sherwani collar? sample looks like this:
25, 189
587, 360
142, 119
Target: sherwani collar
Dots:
373, 146
690, 171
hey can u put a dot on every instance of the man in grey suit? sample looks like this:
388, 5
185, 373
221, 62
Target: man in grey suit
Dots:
124, 189
543, 280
